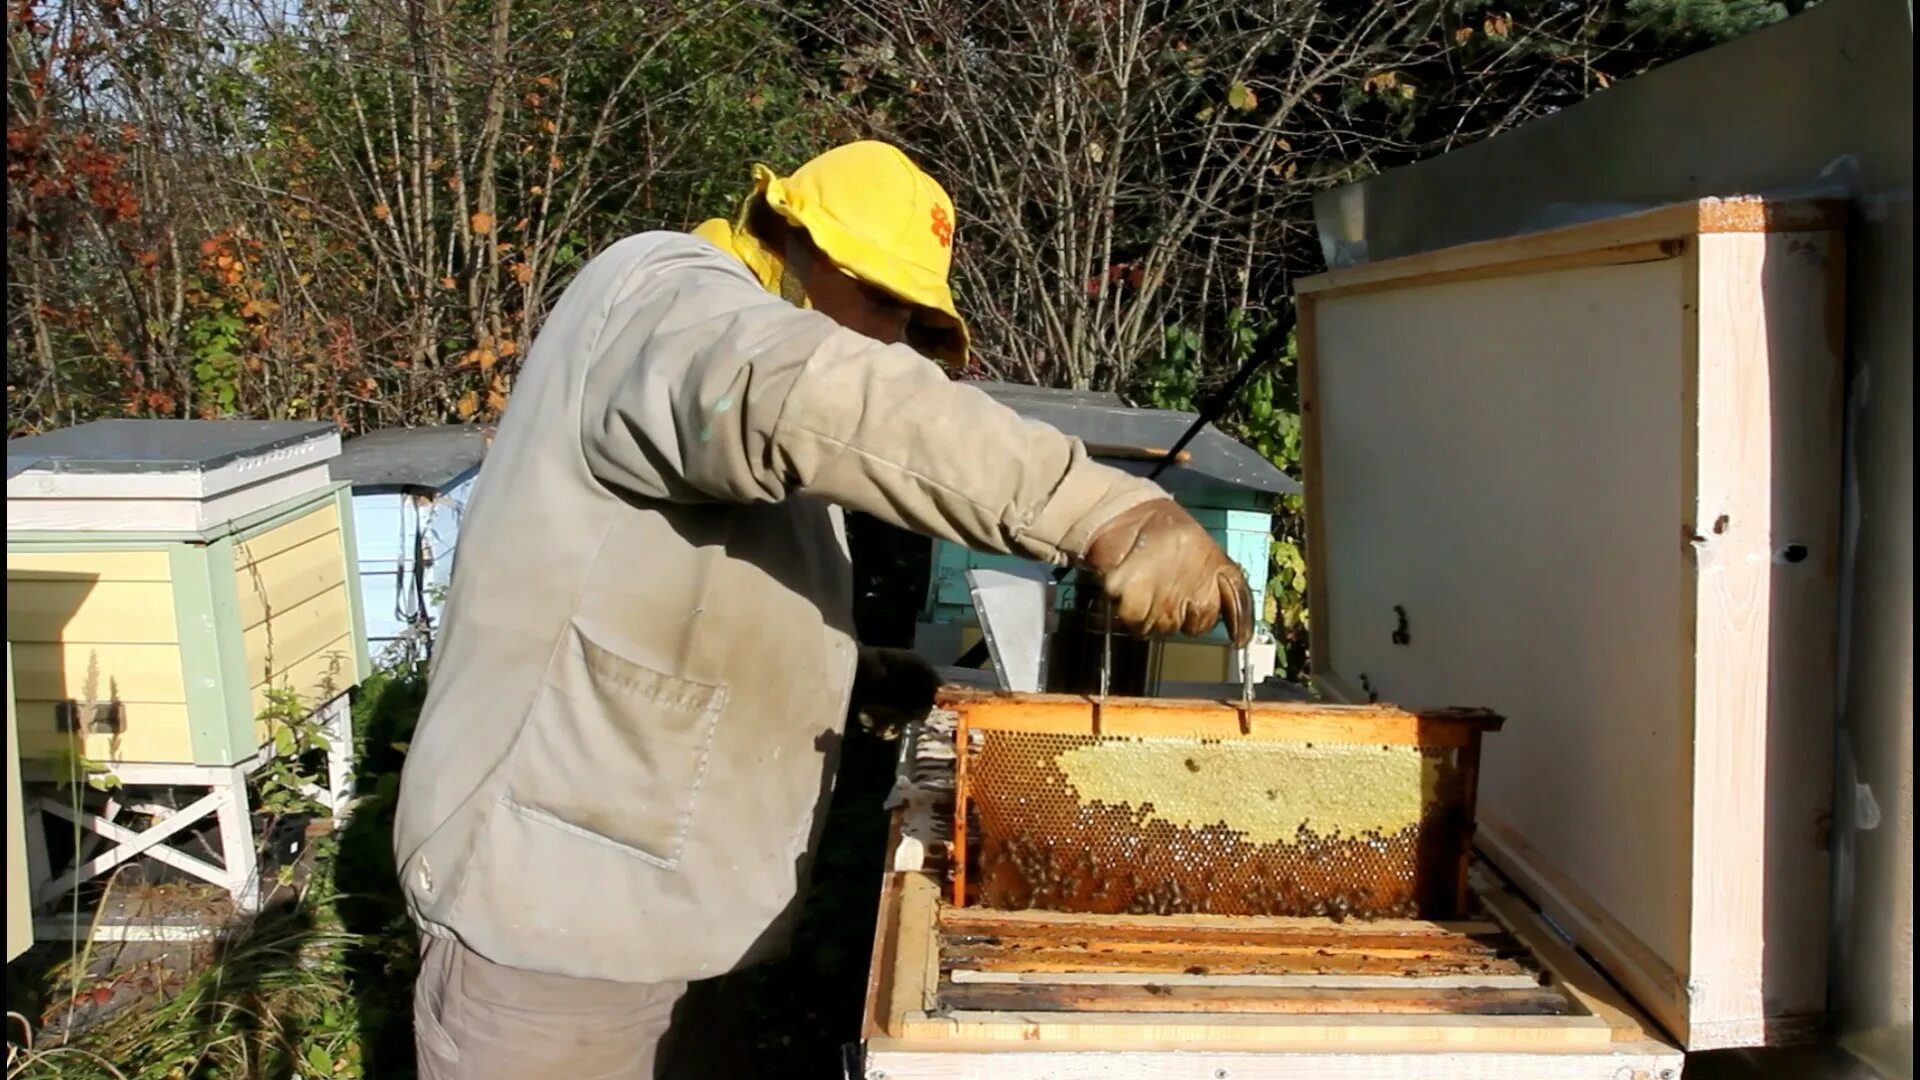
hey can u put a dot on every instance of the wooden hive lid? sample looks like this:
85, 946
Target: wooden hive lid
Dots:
162, 475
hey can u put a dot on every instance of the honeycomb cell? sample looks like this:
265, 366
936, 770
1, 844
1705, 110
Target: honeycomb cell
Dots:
1168, 825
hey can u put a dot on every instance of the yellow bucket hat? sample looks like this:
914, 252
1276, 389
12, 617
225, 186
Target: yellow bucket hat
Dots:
883, 221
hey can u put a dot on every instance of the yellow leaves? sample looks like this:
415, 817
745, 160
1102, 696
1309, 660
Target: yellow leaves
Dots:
381, 213
548, 127
544, 81
1241, 96
1601, 78
536, 190
446, 282
509, 347
496, 402
1388, 83
481, 223
1096, 152
554, 162
468, 404
1463, 35
1498, 26
522, 273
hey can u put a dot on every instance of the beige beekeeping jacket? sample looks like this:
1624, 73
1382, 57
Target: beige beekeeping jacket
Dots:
648, 646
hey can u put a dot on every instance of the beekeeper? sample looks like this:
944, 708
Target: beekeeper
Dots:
648, 652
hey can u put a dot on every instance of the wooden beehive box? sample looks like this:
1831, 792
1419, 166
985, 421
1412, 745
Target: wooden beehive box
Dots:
1589, 479
1586, 478
174, 573
410, 491
964, 990
1228, 488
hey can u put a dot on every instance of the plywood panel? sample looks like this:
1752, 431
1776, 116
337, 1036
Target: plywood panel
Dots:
1516, 443
1597, 493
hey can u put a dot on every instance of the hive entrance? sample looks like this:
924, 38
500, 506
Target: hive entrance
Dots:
1174, 807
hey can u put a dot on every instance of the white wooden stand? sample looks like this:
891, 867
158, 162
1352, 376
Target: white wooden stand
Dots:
336, 721
225, 800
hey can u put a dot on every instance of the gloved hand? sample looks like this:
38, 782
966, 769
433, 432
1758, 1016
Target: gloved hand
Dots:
1163, 574
891, 689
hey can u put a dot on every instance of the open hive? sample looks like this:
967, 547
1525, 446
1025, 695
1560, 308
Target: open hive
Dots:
1161, 807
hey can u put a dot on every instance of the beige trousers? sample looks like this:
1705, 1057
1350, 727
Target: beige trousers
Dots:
476, 1020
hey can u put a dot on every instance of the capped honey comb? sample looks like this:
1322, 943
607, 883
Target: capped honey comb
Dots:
1156, 807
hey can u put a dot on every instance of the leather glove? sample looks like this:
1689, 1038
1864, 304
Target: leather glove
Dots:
891, 689
1164, 574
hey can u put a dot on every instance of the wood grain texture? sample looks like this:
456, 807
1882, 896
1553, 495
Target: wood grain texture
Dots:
1501, 463
1252, 1000
1598, 468
1769, 386
892, 1060
1285, 721
1649, 235
1227, 1031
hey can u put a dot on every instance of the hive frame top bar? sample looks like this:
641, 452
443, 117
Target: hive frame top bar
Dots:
1286, 721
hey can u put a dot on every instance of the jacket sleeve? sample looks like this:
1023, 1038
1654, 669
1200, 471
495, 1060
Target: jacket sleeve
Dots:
704, 387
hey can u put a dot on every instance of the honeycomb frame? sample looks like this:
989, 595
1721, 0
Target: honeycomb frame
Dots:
1164, 806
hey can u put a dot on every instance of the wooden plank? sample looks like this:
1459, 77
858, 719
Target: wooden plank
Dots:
277, 647
1223, 962
1394, 981
915, 960
1571, 974
126, 673
1638, 237
1164, 998
261, 544
1227, 1031
155, 732
324, 674
1126, 946
874, 1013
102, 565
290, 577
1763, 634
1285, 721
75, 611
889, 1059
1197, 927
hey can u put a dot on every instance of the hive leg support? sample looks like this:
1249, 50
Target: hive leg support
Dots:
39, 866
129, 845
340, 778
236, 843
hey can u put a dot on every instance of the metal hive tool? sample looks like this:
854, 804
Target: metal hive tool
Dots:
1151, 806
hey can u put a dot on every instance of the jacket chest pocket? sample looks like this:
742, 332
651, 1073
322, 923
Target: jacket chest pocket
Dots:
616, 752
